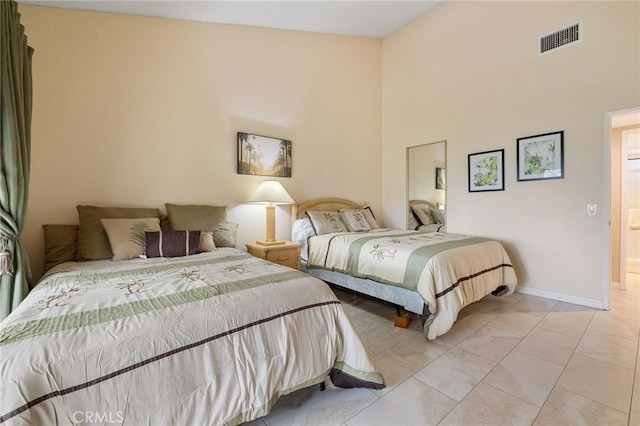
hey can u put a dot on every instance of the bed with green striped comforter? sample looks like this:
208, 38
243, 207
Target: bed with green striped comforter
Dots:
213, 338
448, 271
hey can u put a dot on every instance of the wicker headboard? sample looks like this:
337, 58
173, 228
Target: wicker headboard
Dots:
323, 204
429, 203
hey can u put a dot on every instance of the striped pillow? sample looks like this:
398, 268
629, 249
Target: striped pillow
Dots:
172, 243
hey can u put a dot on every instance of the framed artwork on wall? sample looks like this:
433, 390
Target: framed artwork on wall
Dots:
486, 171
541, 157
263, 156
440, 182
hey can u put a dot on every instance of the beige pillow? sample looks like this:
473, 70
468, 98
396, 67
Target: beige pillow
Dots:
371, 220
206, 241
437, 216
368, 215
422, 213
127, 236
324, 222
354, 220
93, 243
413, 222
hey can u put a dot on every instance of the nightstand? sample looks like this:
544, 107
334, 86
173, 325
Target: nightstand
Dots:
287, 254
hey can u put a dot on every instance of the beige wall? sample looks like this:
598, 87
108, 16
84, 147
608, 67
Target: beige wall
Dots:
470, 73
143, 111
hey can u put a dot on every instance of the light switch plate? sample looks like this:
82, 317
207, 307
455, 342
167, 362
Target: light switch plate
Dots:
592, 209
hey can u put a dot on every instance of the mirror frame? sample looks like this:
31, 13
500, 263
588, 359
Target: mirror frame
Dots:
408, 175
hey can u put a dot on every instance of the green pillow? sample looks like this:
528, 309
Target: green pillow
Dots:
60, 244
93, 243
226, 234
195, 217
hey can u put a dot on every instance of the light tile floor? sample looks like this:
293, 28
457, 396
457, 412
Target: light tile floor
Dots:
516, 360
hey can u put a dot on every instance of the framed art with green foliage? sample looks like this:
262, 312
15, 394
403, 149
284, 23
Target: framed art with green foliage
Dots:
486, 171
541, 157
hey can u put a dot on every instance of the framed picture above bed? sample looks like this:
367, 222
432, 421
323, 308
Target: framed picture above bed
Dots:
263, 155
486, 171
541, 157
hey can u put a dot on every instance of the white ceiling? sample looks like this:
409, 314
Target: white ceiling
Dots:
360, 18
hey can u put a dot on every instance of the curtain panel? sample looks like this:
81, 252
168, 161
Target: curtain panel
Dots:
15, 151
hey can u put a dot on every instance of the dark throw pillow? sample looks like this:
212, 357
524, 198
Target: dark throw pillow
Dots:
172, 243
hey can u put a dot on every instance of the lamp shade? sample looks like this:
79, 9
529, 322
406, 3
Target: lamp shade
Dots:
271, 192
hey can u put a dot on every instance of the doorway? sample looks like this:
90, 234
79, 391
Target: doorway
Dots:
619, 125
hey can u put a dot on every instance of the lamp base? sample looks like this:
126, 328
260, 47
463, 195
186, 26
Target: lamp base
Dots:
269, 243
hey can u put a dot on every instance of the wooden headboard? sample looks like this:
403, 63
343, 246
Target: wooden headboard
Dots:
323, 204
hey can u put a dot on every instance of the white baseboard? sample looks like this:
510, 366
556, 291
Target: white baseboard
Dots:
561, 297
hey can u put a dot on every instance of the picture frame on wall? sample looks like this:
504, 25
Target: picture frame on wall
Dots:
486, 171
440, 178
263, 155
541, 157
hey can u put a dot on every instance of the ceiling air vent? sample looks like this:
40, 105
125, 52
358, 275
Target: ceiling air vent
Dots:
561, 37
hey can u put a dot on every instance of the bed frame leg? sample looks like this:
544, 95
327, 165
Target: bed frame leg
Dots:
401, 319
322, 386
500, 290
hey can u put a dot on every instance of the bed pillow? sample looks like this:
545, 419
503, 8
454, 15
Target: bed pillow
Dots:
226, 234
324, 222
354, 220
206, 241
437, 216
93, 243
60, 244
422, 213
368, 215
412, 222
302, 230
127, 236
371, 219
164, 222
172, 243
195, 217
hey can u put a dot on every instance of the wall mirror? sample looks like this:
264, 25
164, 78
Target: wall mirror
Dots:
426, 177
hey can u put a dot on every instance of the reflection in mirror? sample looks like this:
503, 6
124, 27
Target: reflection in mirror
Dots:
426, 183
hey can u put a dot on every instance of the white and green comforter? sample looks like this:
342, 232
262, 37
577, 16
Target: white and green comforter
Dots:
213, 338
449, 271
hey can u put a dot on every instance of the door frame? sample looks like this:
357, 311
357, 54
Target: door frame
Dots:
609, 118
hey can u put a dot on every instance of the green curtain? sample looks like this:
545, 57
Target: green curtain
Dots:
15, 151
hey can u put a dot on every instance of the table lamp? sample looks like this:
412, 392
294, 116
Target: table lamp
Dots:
271, 192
